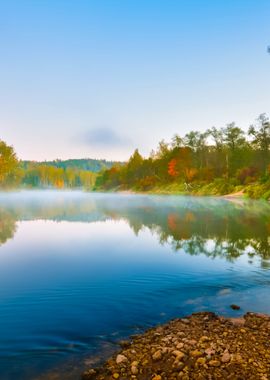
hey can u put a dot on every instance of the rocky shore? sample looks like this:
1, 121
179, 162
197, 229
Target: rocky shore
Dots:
201, 346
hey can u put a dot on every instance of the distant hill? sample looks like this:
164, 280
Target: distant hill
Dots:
88, 164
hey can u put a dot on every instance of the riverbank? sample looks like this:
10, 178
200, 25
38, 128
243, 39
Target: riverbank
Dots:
218, 188
201, 346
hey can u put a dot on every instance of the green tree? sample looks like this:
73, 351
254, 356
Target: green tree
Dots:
217, 156
177, 141
261, 139
134, 166
234, 139
197, 141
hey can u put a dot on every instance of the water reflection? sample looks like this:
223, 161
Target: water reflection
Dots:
7, 225
214, 227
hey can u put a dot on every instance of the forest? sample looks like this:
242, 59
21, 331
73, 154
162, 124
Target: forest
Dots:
73, 173
218, 161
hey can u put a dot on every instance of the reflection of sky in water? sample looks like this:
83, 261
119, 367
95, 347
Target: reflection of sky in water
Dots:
85, 269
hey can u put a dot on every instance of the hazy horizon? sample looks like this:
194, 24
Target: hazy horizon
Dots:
99, 79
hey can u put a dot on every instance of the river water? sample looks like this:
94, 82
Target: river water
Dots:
80, 271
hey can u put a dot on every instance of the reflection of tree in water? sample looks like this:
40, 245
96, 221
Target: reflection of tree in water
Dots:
213, 227
7, 226
226, 233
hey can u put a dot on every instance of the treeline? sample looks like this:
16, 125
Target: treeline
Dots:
86, 164
73, 173
52, 174
38, 175
217, 161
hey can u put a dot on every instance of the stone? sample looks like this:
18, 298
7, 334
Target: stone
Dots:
237, 358
235, 307
178, 365
185, 320
204, 338
243, 350
214, 363
201, 361
210, 351
157, 355
179, 354
134, 370
226, 357
196, 353
121, 359
179, 346
89, 374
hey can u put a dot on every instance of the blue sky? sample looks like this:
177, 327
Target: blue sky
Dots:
98, 78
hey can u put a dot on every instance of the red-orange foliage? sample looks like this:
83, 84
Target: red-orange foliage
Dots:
181, 164
172, 171
172, 221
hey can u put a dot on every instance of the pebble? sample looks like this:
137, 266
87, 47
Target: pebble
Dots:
210, 351
204, 339
235, 307
90, 374
196, 353
226, 357
179, 346
134, 370
214, 363
121, 359
157, 355
179, 354
185, 320
207, 347
201, 361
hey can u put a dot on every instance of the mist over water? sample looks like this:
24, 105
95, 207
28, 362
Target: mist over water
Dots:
79, 271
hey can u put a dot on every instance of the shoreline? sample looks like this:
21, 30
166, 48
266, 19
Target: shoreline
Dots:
200, 346
237, 195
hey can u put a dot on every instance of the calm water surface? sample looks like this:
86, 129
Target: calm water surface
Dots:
80, 271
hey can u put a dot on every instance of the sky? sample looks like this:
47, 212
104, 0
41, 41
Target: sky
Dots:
99, 78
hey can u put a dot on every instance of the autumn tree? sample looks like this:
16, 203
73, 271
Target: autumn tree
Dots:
9, 173
180, 166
